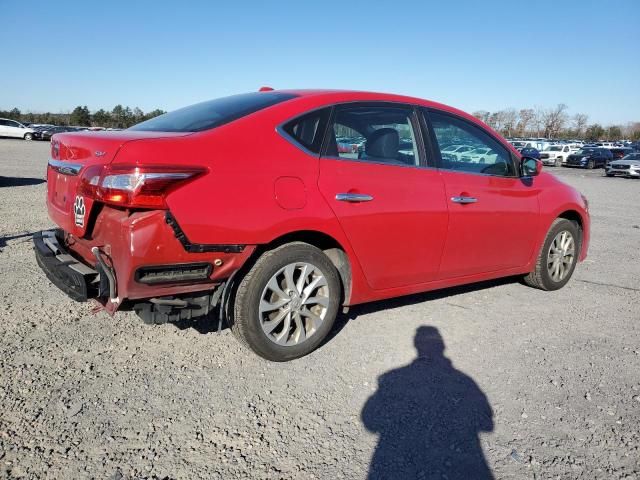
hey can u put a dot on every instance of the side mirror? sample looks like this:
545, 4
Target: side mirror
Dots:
530, 166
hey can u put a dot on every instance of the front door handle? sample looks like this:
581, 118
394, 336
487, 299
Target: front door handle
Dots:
353, 197
464, 200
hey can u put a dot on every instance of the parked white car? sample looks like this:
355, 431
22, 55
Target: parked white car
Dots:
479, 155
11, 128
556, 155
456, 150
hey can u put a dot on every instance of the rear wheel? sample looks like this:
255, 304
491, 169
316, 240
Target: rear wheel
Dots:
28, 136
558, 257
287, 302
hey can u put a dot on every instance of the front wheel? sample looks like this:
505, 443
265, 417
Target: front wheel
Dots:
28, 136
558, 257
287, 302
558, 162
591, 164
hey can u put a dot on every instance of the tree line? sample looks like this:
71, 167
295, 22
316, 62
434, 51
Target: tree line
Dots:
554, 123
118, 117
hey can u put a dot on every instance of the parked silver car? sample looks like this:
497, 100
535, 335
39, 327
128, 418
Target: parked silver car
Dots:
628, 166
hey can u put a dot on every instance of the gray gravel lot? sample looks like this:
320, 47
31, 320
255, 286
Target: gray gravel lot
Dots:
85, 395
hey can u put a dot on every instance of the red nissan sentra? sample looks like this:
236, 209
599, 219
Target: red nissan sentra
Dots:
246, 206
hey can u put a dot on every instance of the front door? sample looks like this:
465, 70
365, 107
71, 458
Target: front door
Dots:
493, 213
390, 206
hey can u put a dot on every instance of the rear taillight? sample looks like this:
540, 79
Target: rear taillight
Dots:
134, 187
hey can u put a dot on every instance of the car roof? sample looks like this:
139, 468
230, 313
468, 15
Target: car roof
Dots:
337, 96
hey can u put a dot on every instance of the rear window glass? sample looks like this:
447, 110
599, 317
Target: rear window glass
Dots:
213, 113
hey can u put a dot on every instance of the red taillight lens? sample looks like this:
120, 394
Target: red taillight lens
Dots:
135, 187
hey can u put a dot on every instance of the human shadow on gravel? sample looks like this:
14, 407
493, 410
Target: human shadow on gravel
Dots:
19, 181
428, 416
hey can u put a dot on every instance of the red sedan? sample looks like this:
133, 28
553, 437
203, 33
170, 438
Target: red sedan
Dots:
246, 207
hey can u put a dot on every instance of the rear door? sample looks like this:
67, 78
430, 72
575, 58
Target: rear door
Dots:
493, 213
388, 201
14, 129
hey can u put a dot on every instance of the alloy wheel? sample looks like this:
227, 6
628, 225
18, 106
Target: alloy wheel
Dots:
561, 256
294, 304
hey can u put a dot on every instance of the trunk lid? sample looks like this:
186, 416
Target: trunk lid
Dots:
72, 156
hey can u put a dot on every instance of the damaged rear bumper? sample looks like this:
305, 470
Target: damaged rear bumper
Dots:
78, 280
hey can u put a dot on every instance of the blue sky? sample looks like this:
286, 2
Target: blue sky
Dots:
470, 54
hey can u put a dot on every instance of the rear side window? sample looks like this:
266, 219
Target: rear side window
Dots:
372, 133
211, 114
308, 130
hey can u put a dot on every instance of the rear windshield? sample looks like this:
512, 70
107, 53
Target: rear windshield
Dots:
206, 115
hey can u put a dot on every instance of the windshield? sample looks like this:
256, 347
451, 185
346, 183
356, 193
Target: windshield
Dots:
206, 115
554, 148
585, 151
632, 156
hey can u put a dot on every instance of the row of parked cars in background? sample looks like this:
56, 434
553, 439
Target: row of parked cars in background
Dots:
36, 131
617, 158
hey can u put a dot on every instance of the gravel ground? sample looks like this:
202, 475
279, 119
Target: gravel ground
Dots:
496, 377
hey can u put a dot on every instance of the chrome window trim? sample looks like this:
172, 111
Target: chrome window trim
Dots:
66, 168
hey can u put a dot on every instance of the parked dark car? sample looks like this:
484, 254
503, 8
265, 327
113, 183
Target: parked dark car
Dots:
47, 133
590, 157
530, 152
619, 152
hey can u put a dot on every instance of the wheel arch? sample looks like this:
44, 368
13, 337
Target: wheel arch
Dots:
331, 247
574, 216
579, 219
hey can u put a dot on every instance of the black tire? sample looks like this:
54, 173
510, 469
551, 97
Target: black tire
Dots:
246, 319
609, 174
540, 277
28, 136
590, 164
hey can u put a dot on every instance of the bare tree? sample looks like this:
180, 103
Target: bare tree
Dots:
527, 116
510, 119
631, 131
538, 119
553, 119
495, 120
482, 115
580, 121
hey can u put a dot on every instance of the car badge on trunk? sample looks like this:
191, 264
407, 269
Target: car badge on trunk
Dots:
99, 153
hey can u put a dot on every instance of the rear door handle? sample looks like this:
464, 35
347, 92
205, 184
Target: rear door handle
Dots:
464, 200
353, 197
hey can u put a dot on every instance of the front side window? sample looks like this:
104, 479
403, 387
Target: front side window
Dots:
485, 154
211, 114
380, 134
308, 130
